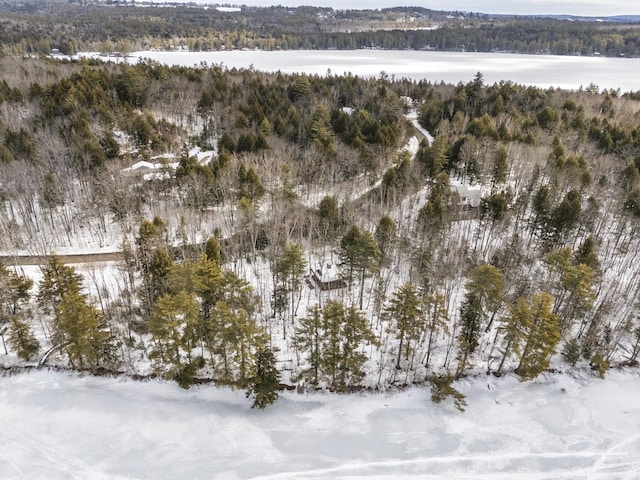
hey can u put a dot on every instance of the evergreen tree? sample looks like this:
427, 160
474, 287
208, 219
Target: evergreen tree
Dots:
329, 216
565, 216
308, 338
78, 327
212, 250
333, 337
331, 354
289, 269
386, 234
586, 254
500, 166
542, 334
438, 209
153, 261
264, 385
237, 340
437, 319
359, 252
174, 329
442, 388
484, 297
22, 339
575, 287
320, 132
250, 185
541, 204
14, 294
434, 158
471, 315
57, 280
571, 352
355, 332
405, 312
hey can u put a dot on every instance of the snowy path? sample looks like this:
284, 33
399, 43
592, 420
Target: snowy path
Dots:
60, 426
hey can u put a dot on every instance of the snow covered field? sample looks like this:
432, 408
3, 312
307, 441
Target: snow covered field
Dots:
62, 426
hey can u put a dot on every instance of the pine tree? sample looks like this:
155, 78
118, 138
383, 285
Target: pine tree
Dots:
320, 133
331, 354
329, 216
289, 269
355, 333
332, 337
542, 334
359, 252
437, 211
531, 333
442, 388
586, 253
22, 339
386, 235
500, 166
571, 352
212, 250
174, 329
14, 294
515, 329
471, 324
250, 185
58, 280
575, 286
405, 312
153, 261
433, 158
484, 298
78, 327
308, 338
237, 340
437, 319
264, 385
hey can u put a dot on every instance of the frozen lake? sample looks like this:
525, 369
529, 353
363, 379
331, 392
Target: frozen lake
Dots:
61, 426
451, 67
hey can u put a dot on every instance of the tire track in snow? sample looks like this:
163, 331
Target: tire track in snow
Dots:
599, 465
480, 466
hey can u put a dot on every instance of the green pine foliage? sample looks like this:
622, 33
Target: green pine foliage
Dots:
407, 319
264, 385
359, 252
442, 388
332, 338
77, 325
22, 339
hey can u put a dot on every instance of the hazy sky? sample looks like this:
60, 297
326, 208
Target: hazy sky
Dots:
573, 7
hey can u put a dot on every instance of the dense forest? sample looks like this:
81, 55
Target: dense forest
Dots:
39, 27
271, 230
290, 229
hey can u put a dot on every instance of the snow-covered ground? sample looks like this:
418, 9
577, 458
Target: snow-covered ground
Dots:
63, 426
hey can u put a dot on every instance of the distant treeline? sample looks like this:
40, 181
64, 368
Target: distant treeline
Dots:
35, 28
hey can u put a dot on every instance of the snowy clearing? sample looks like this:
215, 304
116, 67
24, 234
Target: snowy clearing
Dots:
61, 426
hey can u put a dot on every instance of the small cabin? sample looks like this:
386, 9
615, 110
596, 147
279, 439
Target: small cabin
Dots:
323, 282
468, 197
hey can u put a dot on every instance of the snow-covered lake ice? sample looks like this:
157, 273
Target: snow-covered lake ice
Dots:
65, 426
542, 71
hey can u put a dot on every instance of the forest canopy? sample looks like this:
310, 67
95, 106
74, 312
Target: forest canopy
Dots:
39, 27
299, 229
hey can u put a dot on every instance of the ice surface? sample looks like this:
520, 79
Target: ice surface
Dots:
61, 426
544, 71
